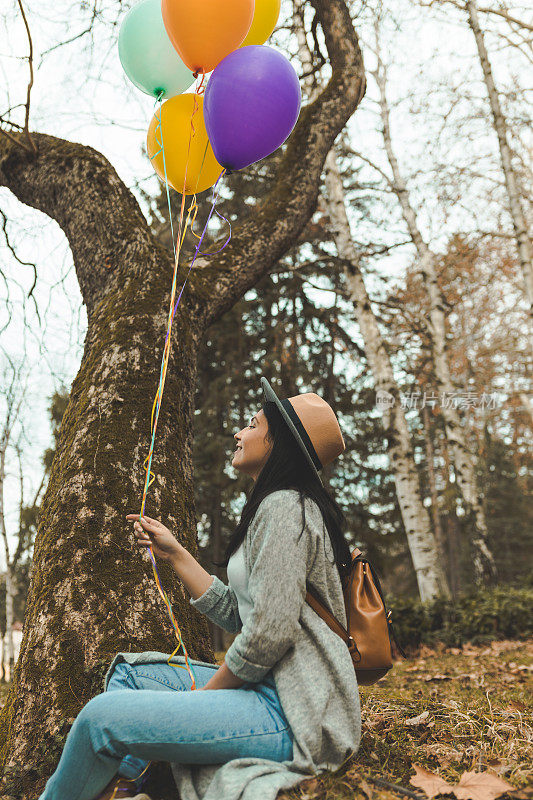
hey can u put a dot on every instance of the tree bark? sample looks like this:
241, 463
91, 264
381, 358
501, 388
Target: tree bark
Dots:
523, 242
92, 593
484, 566
216, 531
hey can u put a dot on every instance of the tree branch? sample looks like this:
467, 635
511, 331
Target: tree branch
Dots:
509, 17
499, 11
30, 84
104, 224
78, 188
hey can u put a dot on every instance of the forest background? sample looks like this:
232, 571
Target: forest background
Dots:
404, 301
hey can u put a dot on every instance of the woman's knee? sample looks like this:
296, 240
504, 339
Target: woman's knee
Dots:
97, 721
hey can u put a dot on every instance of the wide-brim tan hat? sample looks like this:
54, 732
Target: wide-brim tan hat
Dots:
313, 423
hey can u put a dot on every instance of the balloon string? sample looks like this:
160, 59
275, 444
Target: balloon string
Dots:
214, 252
159, 129
150, 476
193, 207
197, 251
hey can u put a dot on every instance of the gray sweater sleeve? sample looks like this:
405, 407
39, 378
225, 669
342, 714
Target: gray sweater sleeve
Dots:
279, 562
219, 604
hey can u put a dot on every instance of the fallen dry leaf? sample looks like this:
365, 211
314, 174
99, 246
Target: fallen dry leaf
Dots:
525, 793
308, 789
516, 705
366, 787
480, 786
430, 783
417, 720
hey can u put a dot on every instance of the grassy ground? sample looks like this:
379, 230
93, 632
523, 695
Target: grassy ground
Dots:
449, 711
474, 707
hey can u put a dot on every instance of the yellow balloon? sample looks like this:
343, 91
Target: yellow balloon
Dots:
265, 19
202, 168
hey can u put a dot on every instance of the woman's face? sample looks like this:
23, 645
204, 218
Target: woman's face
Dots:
253, 448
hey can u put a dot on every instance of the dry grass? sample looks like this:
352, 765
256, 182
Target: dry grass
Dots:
478, 702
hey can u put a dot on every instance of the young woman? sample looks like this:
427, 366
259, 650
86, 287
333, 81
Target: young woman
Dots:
285, 703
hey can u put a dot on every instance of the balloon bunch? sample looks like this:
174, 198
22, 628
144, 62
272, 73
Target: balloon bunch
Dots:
251, 101
247, 109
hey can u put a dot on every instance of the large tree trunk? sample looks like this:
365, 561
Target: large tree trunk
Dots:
430, 575
523, 241
484, 566
92, 592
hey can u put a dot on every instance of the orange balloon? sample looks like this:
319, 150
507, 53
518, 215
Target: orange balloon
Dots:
199, 164
206, 31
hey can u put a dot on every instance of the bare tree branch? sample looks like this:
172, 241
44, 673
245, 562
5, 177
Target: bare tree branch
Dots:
498, 11
30, 83
23, 263
505, 14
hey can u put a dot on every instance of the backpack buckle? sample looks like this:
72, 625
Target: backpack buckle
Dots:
352, 647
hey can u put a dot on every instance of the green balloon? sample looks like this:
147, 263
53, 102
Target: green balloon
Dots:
147, 54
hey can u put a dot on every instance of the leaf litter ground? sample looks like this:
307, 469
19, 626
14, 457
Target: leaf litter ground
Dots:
452, 722
448, 722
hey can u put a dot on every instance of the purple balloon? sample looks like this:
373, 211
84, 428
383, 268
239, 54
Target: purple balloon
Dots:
251, 105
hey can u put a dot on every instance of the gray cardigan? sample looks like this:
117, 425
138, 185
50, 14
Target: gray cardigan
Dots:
312, 668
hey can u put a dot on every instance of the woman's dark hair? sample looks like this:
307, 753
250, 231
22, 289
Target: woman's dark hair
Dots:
288, 468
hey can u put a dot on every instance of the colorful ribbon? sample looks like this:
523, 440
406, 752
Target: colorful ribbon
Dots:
190, 219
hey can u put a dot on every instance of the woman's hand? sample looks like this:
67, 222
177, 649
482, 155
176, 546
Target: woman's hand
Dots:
152, 532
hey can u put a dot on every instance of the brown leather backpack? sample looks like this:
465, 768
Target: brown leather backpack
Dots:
369, 626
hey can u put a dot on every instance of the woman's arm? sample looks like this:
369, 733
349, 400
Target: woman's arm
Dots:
208, 594
224, 679
197, 581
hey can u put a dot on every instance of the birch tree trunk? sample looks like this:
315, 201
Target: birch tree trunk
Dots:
8, 649
431, 578
523, 242
430, 575
92, 593
484, 566
430, 459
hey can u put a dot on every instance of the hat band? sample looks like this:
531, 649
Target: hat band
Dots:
295, 419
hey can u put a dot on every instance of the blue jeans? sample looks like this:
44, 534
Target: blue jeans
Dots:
155, 717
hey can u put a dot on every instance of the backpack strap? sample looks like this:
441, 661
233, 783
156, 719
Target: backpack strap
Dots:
316, 603
327, 616
332, 621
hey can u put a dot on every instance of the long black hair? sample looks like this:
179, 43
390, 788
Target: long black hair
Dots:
288, 468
